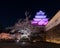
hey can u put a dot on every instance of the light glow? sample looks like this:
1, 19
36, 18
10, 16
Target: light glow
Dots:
33, 22
41, 22
40, 16
40, 13
36, 19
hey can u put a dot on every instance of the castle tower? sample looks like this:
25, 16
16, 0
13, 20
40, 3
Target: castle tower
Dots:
40, 19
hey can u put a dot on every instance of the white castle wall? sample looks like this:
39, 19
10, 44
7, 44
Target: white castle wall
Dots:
54, 21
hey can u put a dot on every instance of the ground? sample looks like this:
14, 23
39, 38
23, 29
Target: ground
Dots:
30, 45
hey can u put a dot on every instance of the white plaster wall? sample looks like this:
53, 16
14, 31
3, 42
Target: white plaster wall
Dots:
54, 21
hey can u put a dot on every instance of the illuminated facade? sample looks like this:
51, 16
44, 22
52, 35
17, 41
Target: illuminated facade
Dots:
54, 21
53, 29
40, 19
6, 36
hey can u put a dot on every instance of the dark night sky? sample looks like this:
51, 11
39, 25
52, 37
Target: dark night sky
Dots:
11, 11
